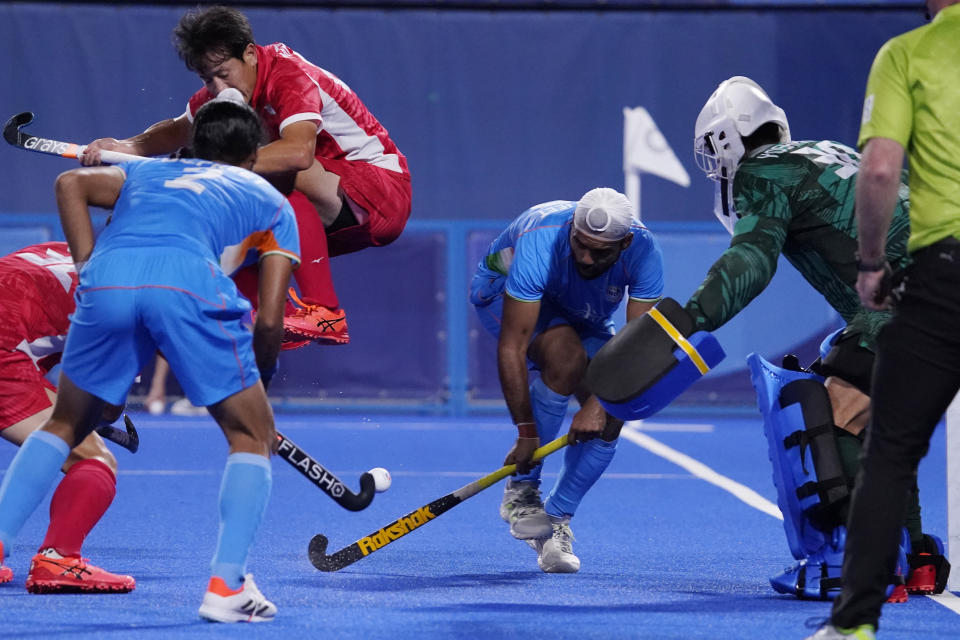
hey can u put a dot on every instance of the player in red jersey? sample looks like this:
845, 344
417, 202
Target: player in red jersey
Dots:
36, 298
352, 185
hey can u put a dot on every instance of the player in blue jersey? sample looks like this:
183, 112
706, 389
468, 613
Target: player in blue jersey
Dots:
547, 288
152, 281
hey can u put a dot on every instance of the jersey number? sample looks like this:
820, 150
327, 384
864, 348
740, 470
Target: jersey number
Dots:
828, 153
191, 181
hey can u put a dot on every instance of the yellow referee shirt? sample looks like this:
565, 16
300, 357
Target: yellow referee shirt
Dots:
913, 97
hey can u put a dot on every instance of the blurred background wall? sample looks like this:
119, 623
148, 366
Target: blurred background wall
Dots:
497, 105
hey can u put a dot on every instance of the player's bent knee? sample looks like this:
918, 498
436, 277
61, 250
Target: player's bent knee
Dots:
91, 448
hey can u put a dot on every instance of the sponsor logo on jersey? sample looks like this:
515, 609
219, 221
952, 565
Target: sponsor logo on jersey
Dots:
398, 529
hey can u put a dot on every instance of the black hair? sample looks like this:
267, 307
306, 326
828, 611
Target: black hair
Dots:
767, 133
226, 132
215, 31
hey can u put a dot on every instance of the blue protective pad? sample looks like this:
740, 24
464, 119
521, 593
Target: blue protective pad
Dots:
817, 577
790, 469
828, 342
677, 378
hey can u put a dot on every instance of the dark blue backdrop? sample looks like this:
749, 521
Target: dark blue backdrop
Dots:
495, 110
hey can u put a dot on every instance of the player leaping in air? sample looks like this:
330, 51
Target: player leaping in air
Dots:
153, 282
37, 284
352, 185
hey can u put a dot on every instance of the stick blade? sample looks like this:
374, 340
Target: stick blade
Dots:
11, 130
318, 553
132, 432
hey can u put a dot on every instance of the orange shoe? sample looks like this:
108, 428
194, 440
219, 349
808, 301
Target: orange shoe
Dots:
315, 322
899, 594
50, 573
291, 342
6, 574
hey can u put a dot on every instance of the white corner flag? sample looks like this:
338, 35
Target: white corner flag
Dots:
645, 150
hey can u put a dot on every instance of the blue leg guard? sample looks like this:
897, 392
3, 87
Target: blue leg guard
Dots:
583, 464
808, 474
549, 410
817, 577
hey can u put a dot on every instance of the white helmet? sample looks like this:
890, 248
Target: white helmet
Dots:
736, 109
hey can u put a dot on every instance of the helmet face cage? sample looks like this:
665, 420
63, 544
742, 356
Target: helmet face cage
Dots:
718, 149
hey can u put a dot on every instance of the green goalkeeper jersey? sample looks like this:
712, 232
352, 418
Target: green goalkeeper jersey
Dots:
797, 199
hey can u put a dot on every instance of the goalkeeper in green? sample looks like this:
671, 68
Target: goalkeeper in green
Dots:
796, 198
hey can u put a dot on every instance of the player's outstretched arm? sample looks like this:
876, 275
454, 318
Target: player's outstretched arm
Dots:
519, 321
275, 270
78, 189
160, 139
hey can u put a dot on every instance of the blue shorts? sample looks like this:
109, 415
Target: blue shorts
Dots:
489, 306
133, 302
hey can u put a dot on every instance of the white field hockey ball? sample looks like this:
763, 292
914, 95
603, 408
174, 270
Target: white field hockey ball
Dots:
381, 479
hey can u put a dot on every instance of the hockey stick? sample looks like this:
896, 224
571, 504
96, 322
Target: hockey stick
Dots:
12, 133
413, 520
129, 439
326, 481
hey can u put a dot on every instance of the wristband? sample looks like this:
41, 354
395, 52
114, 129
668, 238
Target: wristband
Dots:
871, 266
527, 429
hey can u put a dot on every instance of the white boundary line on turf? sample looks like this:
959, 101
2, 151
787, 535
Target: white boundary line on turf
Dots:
947, 599
697, 468
741, 492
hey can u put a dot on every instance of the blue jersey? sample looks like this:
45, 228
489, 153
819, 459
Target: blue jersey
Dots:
532, 260
226, 214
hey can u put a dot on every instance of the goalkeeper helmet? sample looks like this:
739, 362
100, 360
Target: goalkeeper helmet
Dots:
735, 110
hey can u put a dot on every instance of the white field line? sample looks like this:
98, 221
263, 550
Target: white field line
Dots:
741, 492
947, 599
697, 468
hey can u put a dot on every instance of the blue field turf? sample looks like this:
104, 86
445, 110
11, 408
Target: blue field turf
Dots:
664, 554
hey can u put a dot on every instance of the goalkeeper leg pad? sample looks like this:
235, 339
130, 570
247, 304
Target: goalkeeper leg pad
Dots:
812, 488
817, 577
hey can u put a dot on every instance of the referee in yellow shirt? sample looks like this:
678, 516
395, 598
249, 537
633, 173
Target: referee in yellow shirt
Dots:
913, 106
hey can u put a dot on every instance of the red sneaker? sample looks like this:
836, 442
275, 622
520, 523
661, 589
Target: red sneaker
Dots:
291, 342
71, 575
922, 579
6, 574
899, 594
316, 323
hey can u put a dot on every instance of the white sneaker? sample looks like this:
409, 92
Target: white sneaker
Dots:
183, 407
247, 604
523, 509
830, 632
555, 554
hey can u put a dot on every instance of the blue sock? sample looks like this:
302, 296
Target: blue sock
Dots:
583, 464
244, 492
549, 410
27, 481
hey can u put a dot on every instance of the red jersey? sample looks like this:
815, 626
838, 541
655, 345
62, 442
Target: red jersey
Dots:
290, 89
37, 284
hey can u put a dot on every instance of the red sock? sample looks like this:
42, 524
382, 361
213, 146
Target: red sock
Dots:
313, 275
81, 499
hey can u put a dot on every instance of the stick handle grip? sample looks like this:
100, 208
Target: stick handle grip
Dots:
503, 472
110, 157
